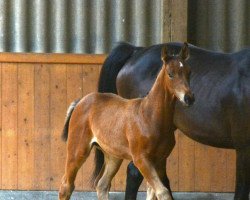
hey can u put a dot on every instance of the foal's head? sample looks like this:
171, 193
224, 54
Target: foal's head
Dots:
178, 74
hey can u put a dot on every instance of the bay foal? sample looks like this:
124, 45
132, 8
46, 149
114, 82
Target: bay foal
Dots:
140, 129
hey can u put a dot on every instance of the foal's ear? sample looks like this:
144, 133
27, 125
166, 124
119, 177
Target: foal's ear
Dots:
184, 53
164, 54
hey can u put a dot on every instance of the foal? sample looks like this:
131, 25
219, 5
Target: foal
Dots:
140, 129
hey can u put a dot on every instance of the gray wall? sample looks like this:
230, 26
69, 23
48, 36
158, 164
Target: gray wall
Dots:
94, 26
221, 25
77, 26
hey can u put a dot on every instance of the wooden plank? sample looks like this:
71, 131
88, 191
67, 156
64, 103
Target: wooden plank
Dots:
74, 91
174, 20
42, 128
90, 78
1, 125
9, 126
166, 33
218, 170
25, 126
52, 58
186, 163
179, 20
231, 170
58, 107
90, 75
173, 165
202, 168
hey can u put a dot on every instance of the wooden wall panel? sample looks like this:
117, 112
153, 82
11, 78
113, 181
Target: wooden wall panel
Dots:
174, 20
186, 163
173, 165
202, 168
41, 176
74, 91
58, 106
25, 127
9, 126
90, 74
34, 99
219, 166
231, 169
1, 125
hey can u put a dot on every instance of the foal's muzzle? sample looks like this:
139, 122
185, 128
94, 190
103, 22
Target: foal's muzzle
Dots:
189, 99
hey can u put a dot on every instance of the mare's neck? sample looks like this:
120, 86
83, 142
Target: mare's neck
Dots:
159, 103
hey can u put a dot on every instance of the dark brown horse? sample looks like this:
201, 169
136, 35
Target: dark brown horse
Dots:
220, 116
140, 129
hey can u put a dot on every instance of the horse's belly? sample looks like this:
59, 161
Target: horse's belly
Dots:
112, 141
204, 126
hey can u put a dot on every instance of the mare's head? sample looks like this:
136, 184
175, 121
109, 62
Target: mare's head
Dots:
178, 74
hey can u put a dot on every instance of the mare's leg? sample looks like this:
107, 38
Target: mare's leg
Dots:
151, 175
164, 178
133, 182
242, 174
78, 149
111, 167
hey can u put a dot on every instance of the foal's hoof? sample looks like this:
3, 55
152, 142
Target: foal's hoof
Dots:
165, 195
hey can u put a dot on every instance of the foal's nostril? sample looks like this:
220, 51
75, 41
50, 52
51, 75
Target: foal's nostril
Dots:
189, 99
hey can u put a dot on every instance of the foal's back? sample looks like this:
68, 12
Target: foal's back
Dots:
109, 118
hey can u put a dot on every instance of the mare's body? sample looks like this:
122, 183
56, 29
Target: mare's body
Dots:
220, 116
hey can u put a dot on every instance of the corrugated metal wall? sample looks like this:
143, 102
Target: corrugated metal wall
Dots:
77, 26
93, 26
222, 25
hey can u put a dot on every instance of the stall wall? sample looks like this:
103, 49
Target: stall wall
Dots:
36, 90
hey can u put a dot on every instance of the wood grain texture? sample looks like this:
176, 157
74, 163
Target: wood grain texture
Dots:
179, 20
218, 168
231, 170
173, 165
34, 99
186, 163
52, 58
42, 127
1, 125
202, 168
58, 107
74, 91
9, 126
174, 20
90, 75
25, 126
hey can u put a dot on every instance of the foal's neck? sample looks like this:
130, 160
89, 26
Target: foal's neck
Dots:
160, 101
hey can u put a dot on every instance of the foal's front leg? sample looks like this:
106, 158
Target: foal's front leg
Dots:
149, 172
150, 193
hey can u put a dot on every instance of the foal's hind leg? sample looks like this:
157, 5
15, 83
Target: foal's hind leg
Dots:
78, 149
111, 167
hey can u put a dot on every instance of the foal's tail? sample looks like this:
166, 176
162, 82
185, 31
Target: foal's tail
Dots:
68, 116
107, 83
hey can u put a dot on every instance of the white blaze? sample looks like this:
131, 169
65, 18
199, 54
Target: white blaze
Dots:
181, 65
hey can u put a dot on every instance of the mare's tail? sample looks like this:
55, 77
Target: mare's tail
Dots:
68, 116
107, 83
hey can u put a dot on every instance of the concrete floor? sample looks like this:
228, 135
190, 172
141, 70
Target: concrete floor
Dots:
52, 195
